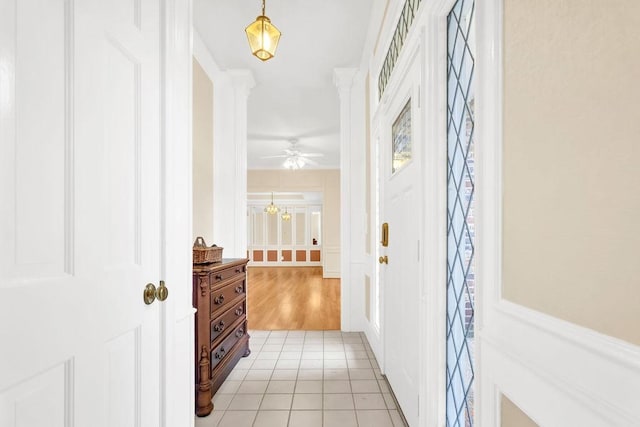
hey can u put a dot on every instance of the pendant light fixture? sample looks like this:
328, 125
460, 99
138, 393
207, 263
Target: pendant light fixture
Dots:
263, 37
272, 209
286, 216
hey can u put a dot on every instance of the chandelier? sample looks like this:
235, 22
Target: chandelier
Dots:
263, 37
271, 209
286, 216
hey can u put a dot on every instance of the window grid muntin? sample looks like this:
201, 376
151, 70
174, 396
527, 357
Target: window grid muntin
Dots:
460, 225
409, 11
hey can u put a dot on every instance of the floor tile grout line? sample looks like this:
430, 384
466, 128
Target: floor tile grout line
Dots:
372, 366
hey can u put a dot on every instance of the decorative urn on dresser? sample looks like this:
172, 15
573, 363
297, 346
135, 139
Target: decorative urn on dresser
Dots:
219, 295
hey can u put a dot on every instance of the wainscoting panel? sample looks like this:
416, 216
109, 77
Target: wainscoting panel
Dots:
331, 262
558, 373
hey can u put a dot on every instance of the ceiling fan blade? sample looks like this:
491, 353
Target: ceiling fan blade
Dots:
311, 162
281, 156
311, 155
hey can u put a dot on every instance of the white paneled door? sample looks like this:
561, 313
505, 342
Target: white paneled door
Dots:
401, 195
79, 212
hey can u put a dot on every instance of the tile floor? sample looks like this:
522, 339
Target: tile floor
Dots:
307, 379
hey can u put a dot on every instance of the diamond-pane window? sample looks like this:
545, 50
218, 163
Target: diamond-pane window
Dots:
460, 215
403, 26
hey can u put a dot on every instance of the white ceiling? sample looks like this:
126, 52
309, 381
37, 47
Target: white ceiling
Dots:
294, 95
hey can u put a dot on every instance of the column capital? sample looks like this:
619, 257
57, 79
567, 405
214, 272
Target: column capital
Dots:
343, 79
242, 80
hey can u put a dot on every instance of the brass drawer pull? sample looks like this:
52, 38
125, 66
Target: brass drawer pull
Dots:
239, 333
220, 354
239, 311
219, 300
218, 276
239, 289
238, 270
219, 327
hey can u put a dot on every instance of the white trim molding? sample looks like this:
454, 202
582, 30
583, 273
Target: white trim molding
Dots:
558, 373
242, 82
433, 312
343, 78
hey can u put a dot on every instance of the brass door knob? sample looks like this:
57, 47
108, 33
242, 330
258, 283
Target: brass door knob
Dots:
383, 260
149, 294
162, 293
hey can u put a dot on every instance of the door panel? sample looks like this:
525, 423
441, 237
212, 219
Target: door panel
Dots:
46, 391
33, 91
401, 190
122, 379
79, 212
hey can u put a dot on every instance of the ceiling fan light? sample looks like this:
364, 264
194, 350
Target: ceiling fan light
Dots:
263, 37
294, 162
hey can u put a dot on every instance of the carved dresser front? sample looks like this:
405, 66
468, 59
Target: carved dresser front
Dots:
219, 295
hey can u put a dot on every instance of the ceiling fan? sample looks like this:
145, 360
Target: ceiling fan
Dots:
294, 158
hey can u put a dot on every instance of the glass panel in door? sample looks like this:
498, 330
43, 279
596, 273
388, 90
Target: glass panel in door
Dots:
460, 216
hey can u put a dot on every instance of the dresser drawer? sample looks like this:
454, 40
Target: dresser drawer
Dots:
226, 320
226, 274
222, 298
219, 352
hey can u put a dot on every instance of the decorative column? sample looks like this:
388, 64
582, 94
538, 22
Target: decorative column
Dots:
343, 79
230, 173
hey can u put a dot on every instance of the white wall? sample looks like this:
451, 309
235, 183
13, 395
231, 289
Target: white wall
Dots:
202, 154
231, 91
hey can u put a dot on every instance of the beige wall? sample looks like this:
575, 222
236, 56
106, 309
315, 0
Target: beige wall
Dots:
327, 181
571, 161
202, 154
512, 416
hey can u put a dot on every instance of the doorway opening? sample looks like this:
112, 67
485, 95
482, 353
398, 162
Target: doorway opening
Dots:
288, 288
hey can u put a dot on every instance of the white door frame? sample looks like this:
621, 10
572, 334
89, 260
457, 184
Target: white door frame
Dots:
433, 311
177, 370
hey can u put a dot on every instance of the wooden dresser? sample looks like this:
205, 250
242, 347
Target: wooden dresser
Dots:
219, 295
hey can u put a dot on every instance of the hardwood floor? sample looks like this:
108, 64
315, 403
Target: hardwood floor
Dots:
292, 298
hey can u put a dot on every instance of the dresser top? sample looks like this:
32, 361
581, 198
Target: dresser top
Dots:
215, 266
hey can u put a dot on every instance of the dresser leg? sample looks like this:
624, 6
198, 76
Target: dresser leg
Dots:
247, 352
204, 405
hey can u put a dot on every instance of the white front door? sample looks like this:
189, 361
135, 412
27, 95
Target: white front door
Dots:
79, 212
401, 195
